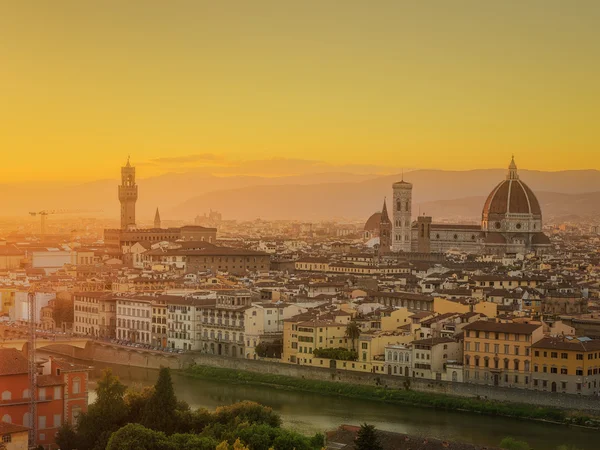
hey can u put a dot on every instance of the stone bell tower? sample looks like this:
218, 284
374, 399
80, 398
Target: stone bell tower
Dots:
401, 238
128, 195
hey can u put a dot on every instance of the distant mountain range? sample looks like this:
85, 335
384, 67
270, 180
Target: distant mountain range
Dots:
453, 195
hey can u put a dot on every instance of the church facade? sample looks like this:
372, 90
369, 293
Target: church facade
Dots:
511, 222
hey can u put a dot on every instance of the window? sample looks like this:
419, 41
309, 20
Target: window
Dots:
580, 356
563, 371
41, 422
76, 386
553, 370
579, 372
6, 439
554, 355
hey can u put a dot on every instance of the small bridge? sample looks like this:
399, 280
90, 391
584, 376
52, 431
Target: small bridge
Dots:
22, 344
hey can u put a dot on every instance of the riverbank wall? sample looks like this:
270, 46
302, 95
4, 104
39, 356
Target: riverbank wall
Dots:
112, 354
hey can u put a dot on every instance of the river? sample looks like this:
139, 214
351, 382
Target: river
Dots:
311, 413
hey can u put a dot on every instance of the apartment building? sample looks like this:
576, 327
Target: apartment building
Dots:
62, 394
95, 314
499, 354
566, 364
184, 319
264, 323
223, 323
430, 356
134, 319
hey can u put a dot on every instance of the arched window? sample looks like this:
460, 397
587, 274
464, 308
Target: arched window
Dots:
398, 205
6, 418
26, 419
6, 395
454, 376
26, 393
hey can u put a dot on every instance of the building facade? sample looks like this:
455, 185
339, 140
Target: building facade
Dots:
499, 354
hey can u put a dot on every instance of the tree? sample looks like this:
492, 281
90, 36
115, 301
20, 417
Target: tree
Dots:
366, 438
138, 437
159, 413
136, 401
353, 332
107, 414
510, 443
66, 437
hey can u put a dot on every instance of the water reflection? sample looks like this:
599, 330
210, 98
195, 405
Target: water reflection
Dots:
310, 413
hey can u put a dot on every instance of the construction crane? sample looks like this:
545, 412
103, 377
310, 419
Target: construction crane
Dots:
46, 212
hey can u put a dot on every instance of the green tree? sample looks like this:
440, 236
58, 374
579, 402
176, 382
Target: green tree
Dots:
107, 414
135, 436
510, 443
353, 332
366, 438
135, 401
66, 437
251, 412
160, 410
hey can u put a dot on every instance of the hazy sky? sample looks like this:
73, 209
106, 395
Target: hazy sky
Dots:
367, 85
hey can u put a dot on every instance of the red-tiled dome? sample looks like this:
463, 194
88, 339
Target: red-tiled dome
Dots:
373, 222
512, 196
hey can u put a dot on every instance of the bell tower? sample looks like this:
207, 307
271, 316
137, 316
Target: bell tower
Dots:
128, 195
401, 232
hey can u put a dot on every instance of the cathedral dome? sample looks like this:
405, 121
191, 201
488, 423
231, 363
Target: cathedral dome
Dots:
373, 222
512, 206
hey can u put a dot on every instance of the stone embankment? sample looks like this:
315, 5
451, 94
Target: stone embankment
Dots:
114, 354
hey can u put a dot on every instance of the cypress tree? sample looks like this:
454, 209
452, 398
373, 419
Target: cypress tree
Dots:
366, 438
159, 413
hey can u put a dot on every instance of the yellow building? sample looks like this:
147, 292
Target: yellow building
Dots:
301, 337
444, 306
566, 364
11, 257
7, 300
13, 437
499, 354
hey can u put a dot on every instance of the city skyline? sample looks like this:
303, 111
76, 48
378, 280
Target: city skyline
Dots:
349, 87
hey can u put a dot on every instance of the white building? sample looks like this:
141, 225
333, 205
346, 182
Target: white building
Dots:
20, 310
134, 319
184, 320
52, 260
263, 322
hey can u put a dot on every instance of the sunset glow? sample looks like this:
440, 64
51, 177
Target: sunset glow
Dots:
220, 87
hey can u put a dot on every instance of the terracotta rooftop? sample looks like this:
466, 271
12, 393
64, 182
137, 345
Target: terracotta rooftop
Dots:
12, 362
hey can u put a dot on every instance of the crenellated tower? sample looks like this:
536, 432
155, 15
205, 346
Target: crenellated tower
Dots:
128, 195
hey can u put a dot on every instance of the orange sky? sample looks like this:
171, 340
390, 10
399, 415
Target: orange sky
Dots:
341, 85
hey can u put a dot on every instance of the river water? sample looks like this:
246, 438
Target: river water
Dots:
311, 413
